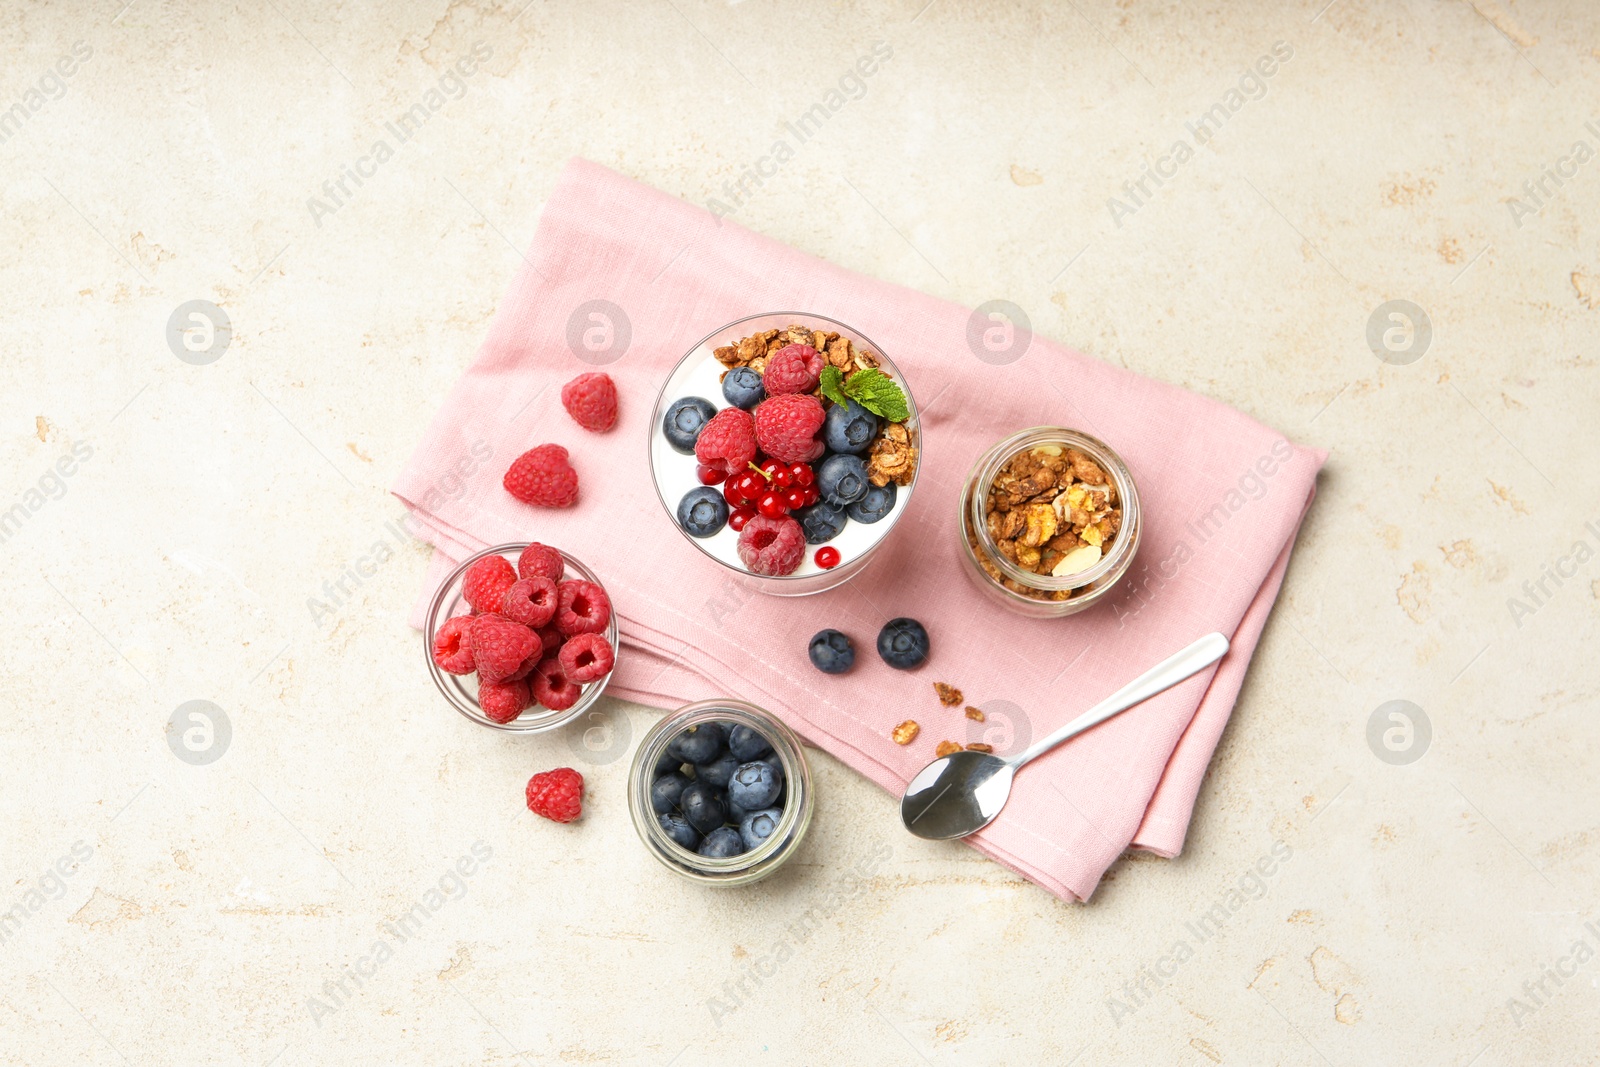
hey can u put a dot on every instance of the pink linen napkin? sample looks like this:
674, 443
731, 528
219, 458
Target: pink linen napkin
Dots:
1222, 497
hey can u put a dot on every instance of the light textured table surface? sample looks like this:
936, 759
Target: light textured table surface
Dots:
1430, 911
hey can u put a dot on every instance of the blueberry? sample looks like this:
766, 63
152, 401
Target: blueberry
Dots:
832, 652
842, 479
684, 420
903, 643
743, 388
667, 763
878, 502
736, 814
821, 522
703, 511
665, 791
755, 784
722, 843
718, 771
702, 805
698, 744
678, 829
757, 826
747, 744
849, 428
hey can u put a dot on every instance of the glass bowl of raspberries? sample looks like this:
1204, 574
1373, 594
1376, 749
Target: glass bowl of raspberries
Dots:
784, 446
521, 637
720, 793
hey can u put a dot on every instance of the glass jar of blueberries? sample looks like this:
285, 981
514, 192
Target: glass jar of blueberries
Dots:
720, 792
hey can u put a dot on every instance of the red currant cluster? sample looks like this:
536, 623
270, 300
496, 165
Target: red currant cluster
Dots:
772, 489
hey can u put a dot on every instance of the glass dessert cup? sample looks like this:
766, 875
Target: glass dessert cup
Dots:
461, 690
1017, 588
698, 373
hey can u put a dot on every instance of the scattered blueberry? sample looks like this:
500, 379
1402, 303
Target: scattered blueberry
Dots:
718, 771
903, 643
684, 420
747, 744
754, 785
821, 522
722, 843
743, 388
698, 744
832, 652
665, 791
842, 479
849, 428
878, 502
702, 805
757, 826
678, 829
703, 511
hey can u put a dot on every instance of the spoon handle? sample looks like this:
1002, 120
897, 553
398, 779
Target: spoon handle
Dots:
1169, 672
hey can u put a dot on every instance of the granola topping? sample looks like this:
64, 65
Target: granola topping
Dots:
975, 714
979, 746
946, 748
949, 695
905, 733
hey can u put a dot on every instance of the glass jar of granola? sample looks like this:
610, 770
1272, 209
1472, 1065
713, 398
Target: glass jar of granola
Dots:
1049, 521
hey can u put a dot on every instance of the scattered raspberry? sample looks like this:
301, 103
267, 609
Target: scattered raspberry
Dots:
591, 400
772, 546
557, 794
485, 583
543, 476
530, 601
499, 646
451, 650
551, 686
503, 701
541, 561
786, 427
587, 658
793, 368
728, 442
585, 608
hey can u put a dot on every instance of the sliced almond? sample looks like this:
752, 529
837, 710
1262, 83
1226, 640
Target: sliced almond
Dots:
1079, 559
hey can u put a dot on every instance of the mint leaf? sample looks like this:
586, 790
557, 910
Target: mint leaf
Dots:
833, 384
876, 391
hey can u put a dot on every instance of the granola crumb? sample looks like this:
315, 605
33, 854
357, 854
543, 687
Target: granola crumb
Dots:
949, 695
946, 748
979, 746
975, 714
905, 733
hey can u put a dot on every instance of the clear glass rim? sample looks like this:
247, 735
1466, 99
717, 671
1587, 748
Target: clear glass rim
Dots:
982, 476
468, 707
747, 866
913, 423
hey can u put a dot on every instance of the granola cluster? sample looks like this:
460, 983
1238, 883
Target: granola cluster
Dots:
893, 456
1051, 511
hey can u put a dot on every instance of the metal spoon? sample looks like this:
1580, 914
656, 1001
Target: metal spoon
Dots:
961, 793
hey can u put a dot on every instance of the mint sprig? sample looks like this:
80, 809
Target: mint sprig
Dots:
833, 385
875, 391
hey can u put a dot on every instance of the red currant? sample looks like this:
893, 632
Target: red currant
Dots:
813, 494
827, 556
801, 475
781, 478
772, 505
738, 517
710, 475
771, 467
795, 498
730, 493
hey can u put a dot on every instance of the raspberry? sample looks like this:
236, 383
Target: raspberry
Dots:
792, 369
587, 658
541, 561
591, 400
503, 701
551, 687
550, 638
772, 546
585, 608
527, 665
728, 441
485, 583
530, 601
543, 476
557, 794
499, 646
786, 427
451, 651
